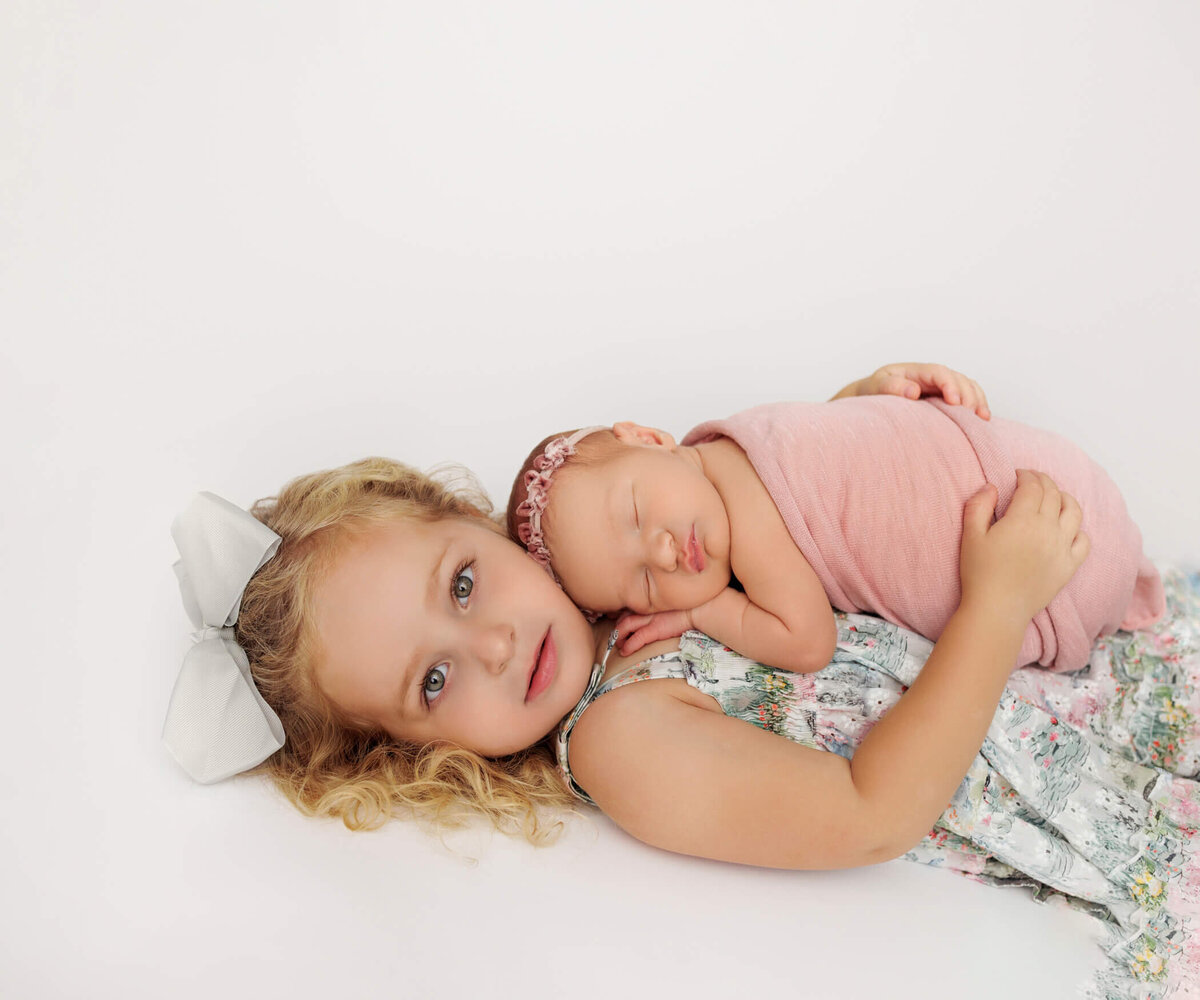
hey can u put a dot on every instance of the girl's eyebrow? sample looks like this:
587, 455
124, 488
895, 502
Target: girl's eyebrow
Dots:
435, 578
413, 666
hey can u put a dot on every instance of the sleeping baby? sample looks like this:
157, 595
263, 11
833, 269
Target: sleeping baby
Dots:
755, 527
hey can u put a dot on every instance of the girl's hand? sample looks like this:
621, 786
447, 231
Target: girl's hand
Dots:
916, 380
635, 631
1016, 565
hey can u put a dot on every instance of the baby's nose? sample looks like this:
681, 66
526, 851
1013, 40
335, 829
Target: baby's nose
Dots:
663, 554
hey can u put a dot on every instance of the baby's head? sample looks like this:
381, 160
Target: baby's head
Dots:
341, 759
622, 518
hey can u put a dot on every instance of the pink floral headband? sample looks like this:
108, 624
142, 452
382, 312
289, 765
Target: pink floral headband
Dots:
537, 493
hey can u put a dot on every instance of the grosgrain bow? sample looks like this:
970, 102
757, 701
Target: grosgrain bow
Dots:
217, 723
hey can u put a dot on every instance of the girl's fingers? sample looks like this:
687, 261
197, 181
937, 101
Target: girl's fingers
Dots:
899, 385
977, 514
1051, 496
944, 379
1028, 494
982, 409
1072, 519
1072, 514
915, 381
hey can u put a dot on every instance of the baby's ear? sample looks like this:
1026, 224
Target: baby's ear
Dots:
627, 432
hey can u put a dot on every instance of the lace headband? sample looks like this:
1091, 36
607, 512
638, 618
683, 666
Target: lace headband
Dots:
537, 493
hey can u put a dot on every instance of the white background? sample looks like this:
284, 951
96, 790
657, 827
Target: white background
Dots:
242, 240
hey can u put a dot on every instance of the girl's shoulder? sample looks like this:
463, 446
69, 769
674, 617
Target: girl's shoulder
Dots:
625, 729
630, 701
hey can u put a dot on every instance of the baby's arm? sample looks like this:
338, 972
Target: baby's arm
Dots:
914, 380
690, 779
784, 617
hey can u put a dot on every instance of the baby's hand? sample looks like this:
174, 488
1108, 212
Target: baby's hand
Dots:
916, 380
635, 631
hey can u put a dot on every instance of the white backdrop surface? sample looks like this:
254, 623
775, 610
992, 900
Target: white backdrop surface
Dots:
241, 240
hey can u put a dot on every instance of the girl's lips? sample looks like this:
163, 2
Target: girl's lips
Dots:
695, 554
545, 666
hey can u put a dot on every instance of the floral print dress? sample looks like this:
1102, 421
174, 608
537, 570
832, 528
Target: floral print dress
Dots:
1084, 789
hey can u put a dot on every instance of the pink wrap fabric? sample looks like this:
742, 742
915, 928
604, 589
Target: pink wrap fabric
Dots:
872, 490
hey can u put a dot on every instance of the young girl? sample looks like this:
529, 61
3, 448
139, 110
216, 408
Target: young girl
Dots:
399, 651
856, 503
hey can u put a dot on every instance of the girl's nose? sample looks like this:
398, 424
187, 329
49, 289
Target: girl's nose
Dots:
493, 646
663, 554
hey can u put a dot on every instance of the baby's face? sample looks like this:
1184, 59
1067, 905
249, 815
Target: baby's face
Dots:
644, 530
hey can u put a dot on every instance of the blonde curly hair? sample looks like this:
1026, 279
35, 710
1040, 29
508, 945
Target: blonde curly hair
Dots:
330, 765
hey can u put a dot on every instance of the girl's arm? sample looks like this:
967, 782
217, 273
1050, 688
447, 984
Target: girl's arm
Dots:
675, 772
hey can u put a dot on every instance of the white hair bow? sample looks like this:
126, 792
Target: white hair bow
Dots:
217, 723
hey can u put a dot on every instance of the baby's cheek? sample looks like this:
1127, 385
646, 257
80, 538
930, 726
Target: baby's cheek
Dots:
707, 586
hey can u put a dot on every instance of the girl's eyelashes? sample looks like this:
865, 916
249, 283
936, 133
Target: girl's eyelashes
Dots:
434, 683
637, 522
462, 583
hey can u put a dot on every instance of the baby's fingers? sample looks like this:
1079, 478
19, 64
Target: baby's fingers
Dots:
634, 641
629, 622
654, 627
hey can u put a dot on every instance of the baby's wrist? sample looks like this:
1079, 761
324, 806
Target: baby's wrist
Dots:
707, 617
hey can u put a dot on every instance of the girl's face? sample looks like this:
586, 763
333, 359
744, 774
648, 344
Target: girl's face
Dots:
449, 631
644, 530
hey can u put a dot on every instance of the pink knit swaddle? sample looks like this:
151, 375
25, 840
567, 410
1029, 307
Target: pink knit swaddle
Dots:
872, 490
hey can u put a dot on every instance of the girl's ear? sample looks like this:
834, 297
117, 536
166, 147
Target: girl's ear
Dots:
627, 432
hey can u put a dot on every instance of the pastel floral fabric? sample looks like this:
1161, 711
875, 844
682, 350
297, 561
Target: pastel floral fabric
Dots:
1084, 790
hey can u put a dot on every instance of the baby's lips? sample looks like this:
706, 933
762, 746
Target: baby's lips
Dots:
695, 554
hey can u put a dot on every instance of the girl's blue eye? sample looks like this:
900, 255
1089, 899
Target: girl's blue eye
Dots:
434, 683
463, 584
